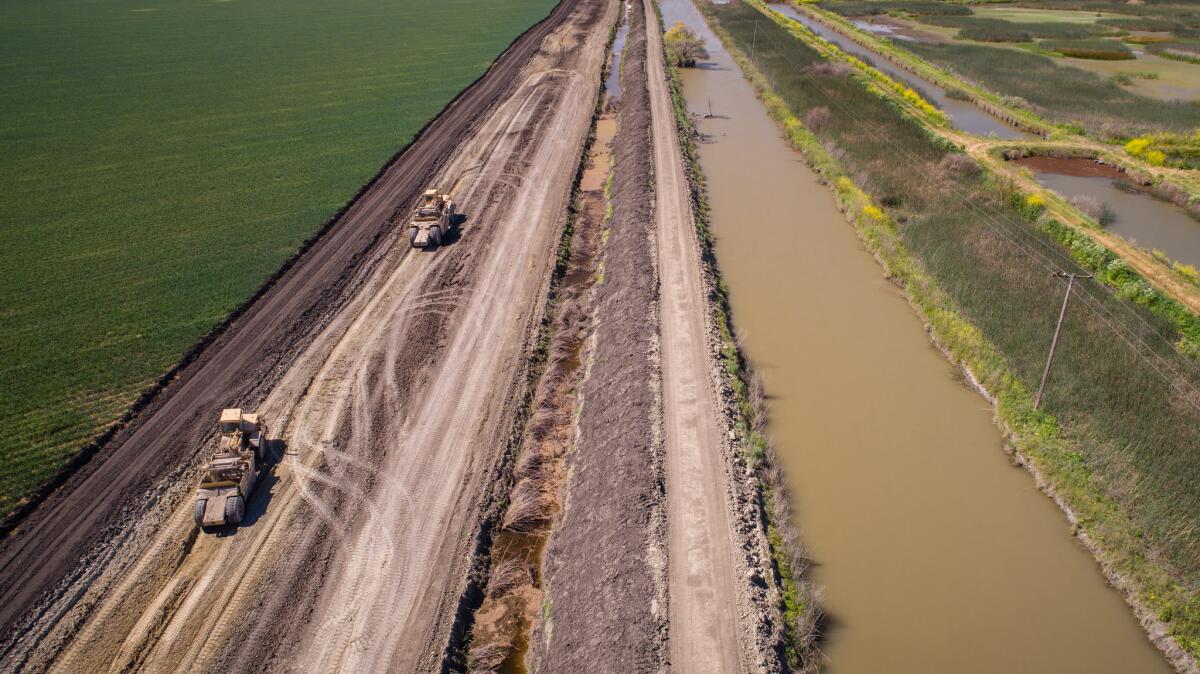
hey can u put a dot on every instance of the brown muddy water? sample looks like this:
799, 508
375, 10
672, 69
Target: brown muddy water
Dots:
963, 114
1137, 216
936, 554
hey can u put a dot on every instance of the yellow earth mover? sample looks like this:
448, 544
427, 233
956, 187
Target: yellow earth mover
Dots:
431, 220
232, 470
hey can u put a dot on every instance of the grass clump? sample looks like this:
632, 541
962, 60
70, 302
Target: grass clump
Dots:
1167, 149
1118, 433
1187, 52
1101, 50
1057, 91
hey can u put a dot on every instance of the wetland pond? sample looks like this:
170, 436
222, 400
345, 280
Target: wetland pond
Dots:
964, 114
935, 553
1135, 215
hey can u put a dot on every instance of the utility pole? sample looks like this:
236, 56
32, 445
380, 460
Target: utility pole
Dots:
1037, 400
754, 41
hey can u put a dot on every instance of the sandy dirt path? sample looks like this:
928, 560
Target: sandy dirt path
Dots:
704, 630
357, 546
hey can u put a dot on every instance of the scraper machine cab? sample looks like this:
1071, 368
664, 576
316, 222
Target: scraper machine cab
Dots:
431, 220
232, 470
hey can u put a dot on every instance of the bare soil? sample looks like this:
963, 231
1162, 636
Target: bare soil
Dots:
390, 379
724, 606
605, 564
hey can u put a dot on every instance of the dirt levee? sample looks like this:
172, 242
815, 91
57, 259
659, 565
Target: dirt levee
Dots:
99, 502
605, 564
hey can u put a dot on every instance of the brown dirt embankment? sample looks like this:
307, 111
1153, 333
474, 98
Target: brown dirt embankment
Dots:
100, 501
605, 608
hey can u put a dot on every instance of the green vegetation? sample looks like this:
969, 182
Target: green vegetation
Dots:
1102, 50
683, 47
1119, 429
999, 30
1167, 149
1188, 52
1057, 91
161, 161
867, 8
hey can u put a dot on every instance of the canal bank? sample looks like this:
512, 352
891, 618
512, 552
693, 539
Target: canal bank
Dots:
964, 114
1123, 208
935, 554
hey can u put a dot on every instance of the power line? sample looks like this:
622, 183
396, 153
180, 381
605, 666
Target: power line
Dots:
1098, 306
1021, 241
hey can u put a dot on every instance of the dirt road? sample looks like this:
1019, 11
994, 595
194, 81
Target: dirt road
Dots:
704, 630
394, 417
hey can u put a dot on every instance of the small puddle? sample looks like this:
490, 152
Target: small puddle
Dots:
1137, 216
935, 554
964, 114
612, 84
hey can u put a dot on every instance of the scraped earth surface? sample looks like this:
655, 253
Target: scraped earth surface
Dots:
394, 383
388, 424
653, 565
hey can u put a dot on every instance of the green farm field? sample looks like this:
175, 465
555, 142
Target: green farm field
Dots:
163, 157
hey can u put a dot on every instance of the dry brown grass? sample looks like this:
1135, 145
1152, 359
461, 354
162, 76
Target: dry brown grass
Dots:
487, 658
817, 118
509, 575
530, 507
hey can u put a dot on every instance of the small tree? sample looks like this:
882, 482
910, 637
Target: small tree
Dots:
684, 47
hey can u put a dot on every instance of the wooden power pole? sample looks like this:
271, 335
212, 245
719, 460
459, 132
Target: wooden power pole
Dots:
754, 41
1037, 400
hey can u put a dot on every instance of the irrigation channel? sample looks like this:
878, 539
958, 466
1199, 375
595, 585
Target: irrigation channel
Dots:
935, 554
1137, 216
964, 114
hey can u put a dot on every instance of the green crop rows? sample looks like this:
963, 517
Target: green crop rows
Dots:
161, 158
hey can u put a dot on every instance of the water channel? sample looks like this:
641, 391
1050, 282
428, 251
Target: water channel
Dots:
1139, 217
936, 555
964, 114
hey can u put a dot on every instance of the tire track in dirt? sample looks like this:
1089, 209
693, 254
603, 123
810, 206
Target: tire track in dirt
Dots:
392, 417
710, 628
90, 516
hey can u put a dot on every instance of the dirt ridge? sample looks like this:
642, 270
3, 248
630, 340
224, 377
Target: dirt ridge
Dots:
605, 564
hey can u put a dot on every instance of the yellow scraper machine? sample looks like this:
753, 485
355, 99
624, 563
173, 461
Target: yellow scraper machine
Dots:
431, 220
232, 470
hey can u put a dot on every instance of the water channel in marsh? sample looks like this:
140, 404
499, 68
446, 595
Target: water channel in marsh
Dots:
1135, 215
963, 114
936, 555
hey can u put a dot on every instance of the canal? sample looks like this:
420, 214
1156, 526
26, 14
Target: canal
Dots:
936, 555
1135, 215
965, 115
